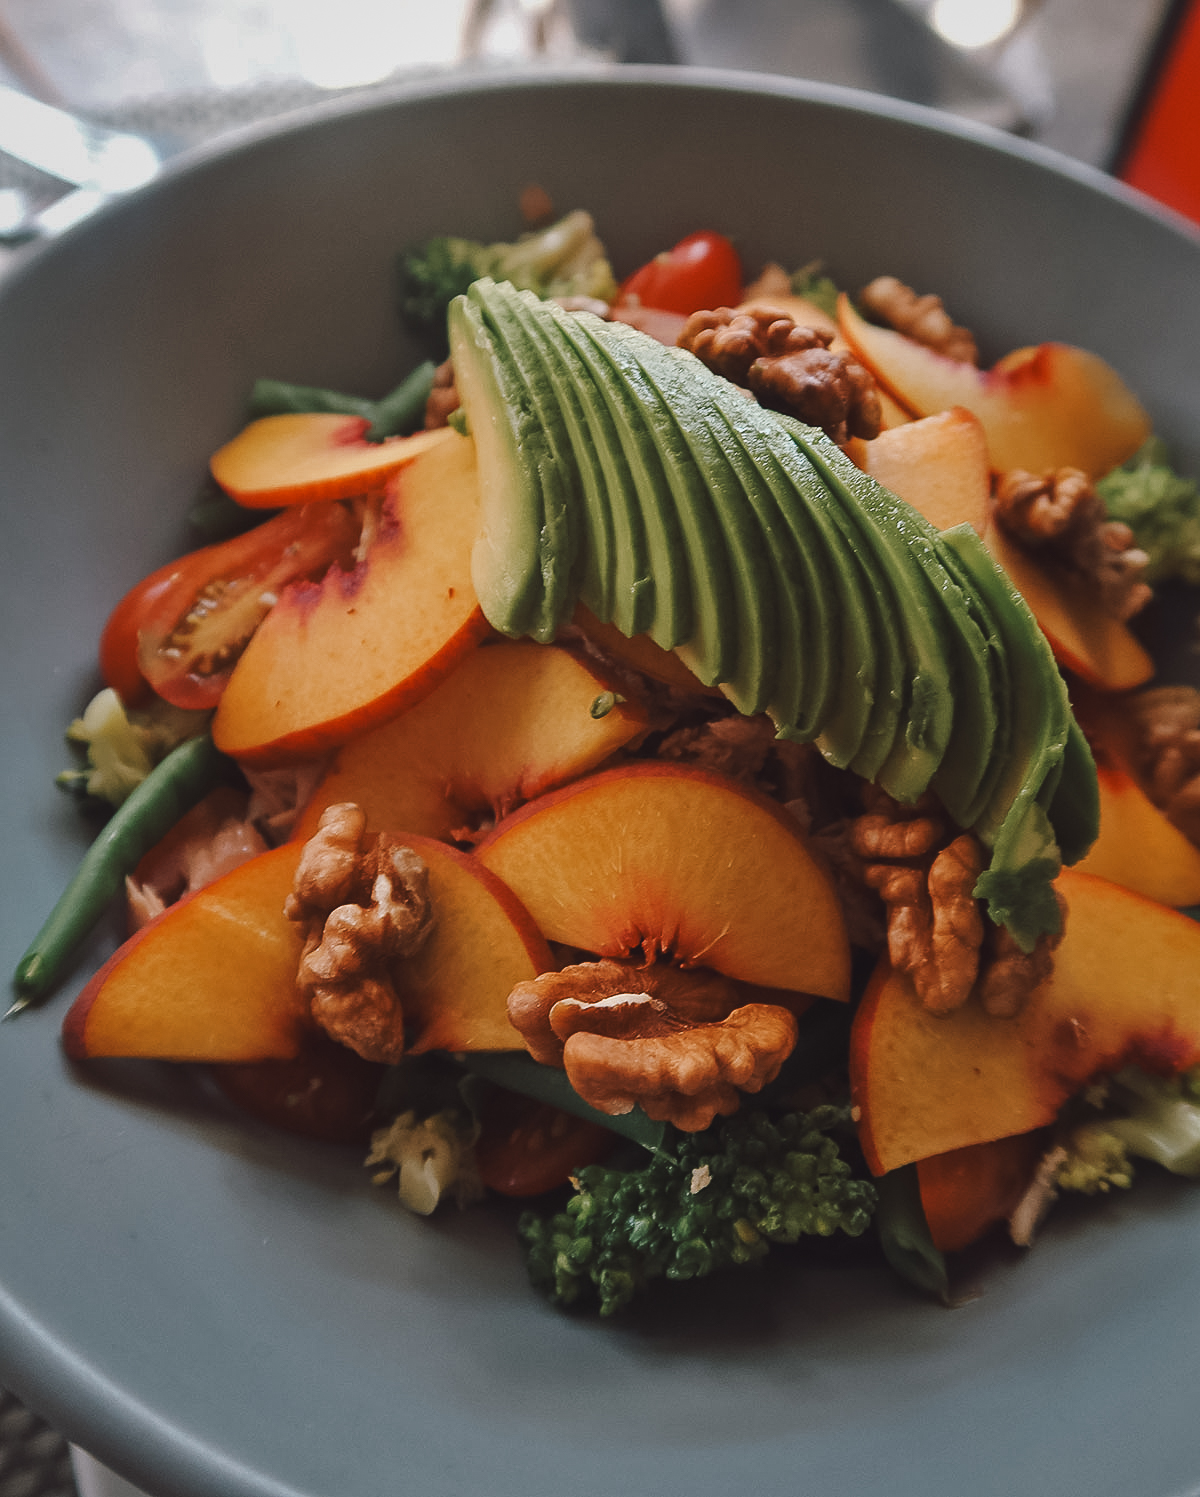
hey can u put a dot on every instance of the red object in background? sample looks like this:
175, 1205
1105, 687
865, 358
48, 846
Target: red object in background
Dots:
1159, 152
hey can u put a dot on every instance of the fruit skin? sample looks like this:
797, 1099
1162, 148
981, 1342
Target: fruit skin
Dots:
300, 457
1054, 406
926, 1085
511, 721
677, 862
334, 658
325, 1092
212, 978
702, 270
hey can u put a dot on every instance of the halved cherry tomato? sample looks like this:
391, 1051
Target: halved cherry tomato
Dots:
702, 271
183, 628
528, 1147
326, 1092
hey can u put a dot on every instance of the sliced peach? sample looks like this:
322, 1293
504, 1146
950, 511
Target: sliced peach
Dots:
640, 653
294, 459
660, 858
1125, 991
455, 988
336, 657
212, 978
939, 465
1050, 407
1138, 847
1085, 639
968, 1191
511, 721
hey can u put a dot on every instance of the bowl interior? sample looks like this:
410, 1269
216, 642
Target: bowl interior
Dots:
215, 1309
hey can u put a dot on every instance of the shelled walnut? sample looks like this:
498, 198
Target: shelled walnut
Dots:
788, 368
922, 318
679, 1044
363, 900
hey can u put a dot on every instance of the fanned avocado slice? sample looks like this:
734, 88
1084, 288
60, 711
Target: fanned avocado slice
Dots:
1014, 824
506, 562
861, 624
740, 627
557, 467
569, 377
1074, 809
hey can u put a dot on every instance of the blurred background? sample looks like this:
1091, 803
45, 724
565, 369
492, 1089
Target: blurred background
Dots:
1090, 78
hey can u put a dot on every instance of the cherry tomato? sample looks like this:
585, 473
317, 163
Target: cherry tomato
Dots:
528, 1147
182, 629
702, 271
326, 1092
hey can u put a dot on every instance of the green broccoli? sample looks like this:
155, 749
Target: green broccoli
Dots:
1161, 508
1145, 1117
701, 1202
566, 259
124, 746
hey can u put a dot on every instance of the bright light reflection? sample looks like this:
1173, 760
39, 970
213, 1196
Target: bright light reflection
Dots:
974, 23
362, 41
12, 209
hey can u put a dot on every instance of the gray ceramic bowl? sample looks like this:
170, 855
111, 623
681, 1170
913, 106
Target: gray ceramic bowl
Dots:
215, 1309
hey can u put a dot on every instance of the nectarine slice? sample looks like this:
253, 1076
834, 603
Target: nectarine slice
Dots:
1054, 406
512, 720
640, 653
338, 656
296, 458
968, 1191
1125, 991
670, 860
1085, 639
454, 990
211, 978
939, 465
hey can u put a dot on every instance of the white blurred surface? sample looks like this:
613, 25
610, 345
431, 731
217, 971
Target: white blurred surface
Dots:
95, 1480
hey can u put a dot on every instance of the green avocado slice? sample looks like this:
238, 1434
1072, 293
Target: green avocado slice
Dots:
569, 377
1014, 824
557, 467
742, 626
506, 562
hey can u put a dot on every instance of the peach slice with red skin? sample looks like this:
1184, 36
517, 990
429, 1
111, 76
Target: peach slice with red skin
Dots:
512, 720
296, 458
1125, 990
1138, 847
335, 657
678, 862
939, 465
213, 978
1054, 406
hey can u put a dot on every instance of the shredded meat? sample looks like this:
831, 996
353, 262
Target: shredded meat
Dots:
679, 1044
363, 900
788, 368
1059, 516
922, 318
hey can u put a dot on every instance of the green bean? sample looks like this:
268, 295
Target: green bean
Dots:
403, 410
184, 777
904, 1233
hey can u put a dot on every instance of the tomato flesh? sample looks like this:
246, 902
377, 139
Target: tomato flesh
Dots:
702, 271
529, 1147
181, 630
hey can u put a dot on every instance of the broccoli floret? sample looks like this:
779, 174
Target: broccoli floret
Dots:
1152, 1117
1161, 508
566, 259
811, 282
703, 1201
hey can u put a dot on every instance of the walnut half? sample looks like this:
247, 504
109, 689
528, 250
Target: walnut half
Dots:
363, 900
679, 1044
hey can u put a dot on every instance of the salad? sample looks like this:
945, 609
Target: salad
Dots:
681, 760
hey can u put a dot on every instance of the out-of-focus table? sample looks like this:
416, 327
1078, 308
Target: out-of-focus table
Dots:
187, 70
